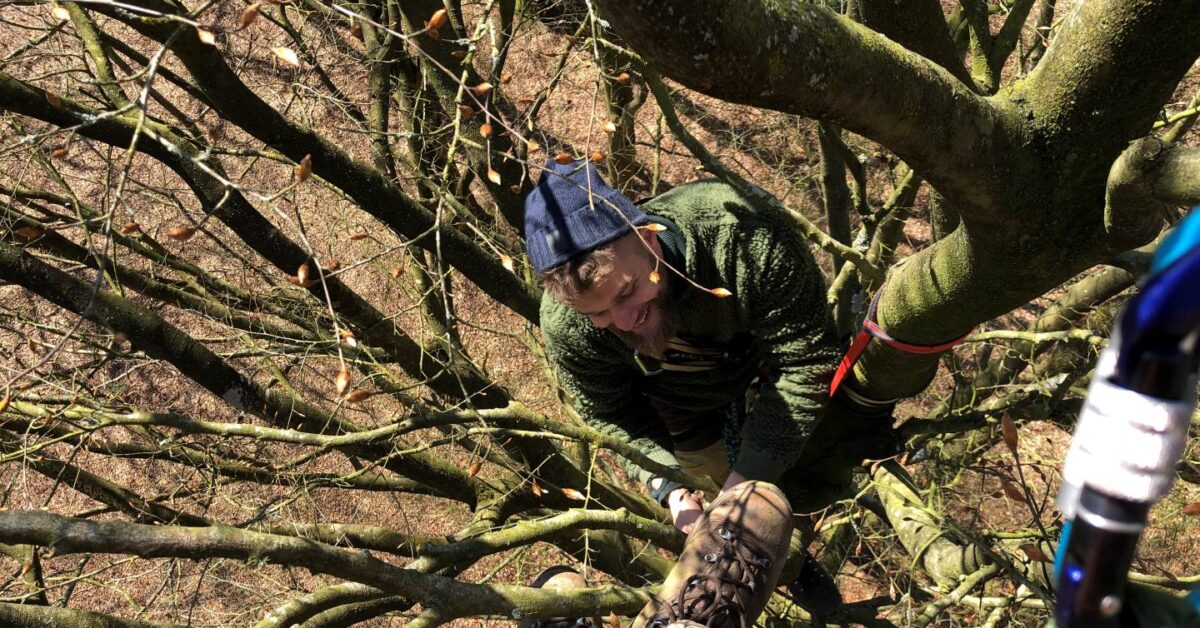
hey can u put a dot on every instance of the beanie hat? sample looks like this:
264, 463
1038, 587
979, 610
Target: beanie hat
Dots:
563, 221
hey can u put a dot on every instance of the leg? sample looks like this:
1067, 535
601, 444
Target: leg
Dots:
708, 461
846, 435
698, 444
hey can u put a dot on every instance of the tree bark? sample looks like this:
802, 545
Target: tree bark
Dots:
65, 535
25, 616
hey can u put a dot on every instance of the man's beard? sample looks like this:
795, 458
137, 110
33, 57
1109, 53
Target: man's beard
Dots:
655, 343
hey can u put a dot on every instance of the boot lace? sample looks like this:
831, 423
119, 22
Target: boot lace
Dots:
717, 596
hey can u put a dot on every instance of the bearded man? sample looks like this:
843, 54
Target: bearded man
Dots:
695, 327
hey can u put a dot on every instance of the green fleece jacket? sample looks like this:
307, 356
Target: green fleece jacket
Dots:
778, 306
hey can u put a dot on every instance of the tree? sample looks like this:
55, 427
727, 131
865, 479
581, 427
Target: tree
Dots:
269, 261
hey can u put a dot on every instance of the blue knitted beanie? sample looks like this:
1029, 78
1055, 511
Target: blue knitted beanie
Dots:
564, 221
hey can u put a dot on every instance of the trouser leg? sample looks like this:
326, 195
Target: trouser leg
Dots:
848, 434
698, 442
710, 461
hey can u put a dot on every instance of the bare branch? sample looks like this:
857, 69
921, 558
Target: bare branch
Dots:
29, 616
64, 535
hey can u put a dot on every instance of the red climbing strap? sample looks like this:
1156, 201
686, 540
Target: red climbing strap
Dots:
871, 329
848, 360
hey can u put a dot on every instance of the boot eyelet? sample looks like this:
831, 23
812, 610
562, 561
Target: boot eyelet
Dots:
725, 533
710, 558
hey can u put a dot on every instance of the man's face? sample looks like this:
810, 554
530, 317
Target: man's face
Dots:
626, 302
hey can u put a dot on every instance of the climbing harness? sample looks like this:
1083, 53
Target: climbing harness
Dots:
689, 355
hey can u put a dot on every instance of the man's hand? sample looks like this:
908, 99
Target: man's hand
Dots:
685, 509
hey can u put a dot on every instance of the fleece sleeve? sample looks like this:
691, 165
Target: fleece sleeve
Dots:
782, 294
604, 391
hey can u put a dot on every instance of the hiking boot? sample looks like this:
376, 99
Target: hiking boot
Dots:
814, 589
730, 563
559, 578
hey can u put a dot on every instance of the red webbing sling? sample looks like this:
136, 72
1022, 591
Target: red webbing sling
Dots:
871, 329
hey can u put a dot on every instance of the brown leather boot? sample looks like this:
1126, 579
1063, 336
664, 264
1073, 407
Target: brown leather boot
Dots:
730, 563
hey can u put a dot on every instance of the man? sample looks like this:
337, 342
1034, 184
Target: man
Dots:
696, 328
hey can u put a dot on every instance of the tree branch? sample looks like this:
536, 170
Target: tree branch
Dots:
370, 189
919, 26
297, 611
28, 616
1144, 183
160, 339
935, 608
1112, 63
65, 535
1010, 33
801, 58
236, 212
527, 532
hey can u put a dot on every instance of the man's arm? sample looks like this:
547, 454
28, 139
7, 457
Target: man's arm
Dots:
603, 388
782, 292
